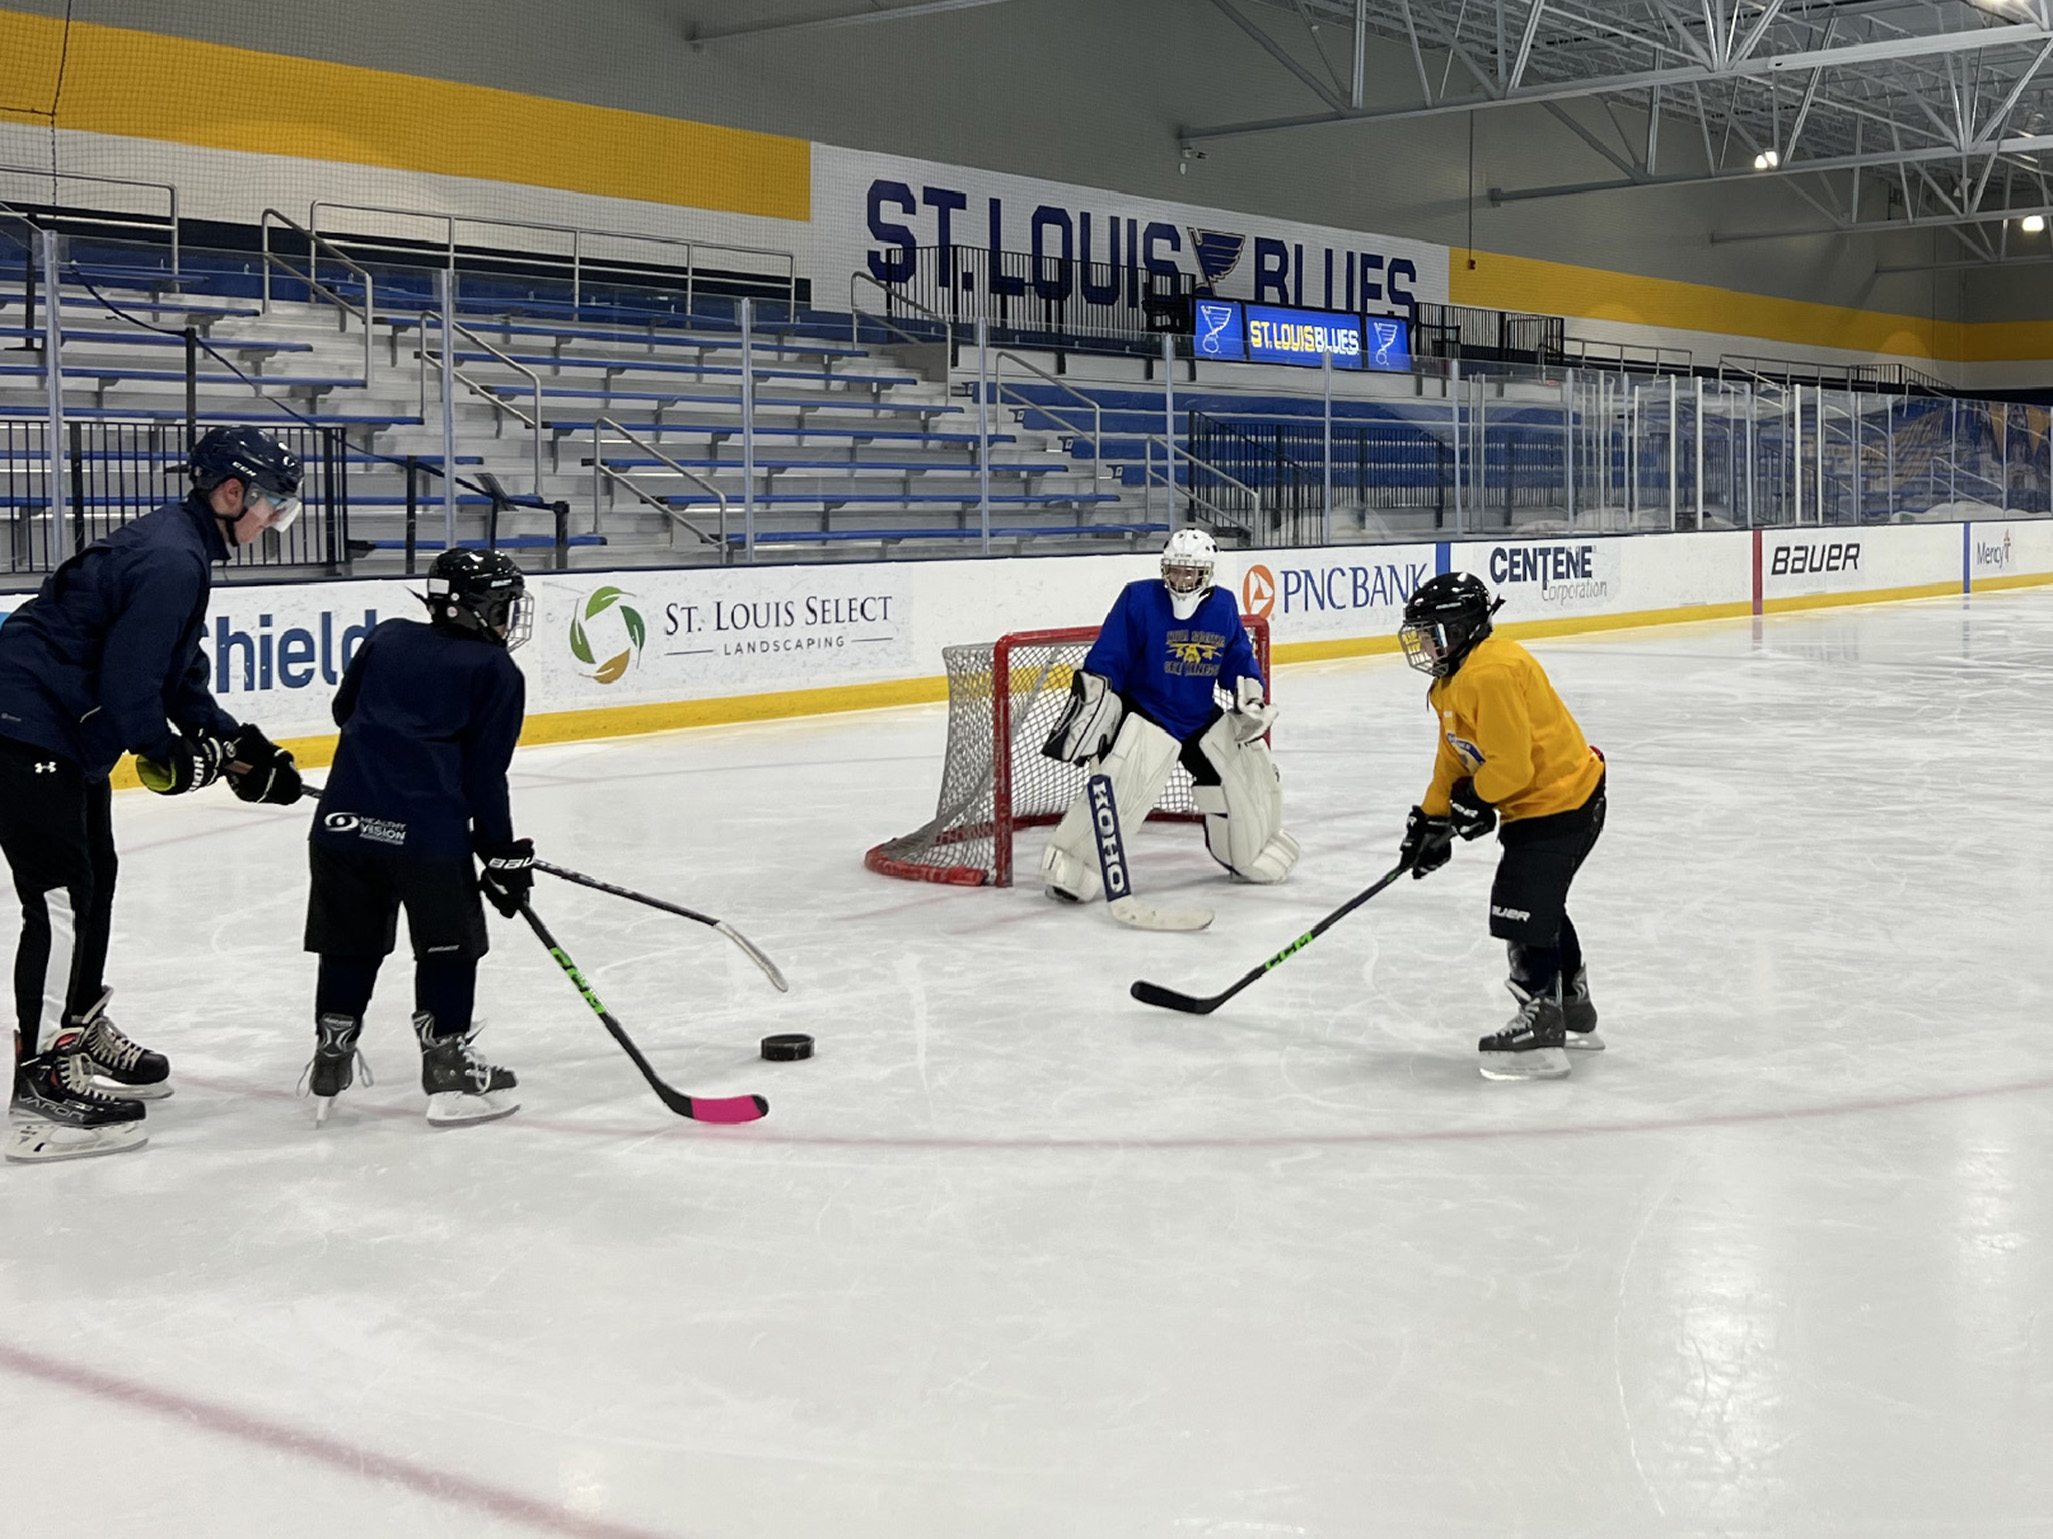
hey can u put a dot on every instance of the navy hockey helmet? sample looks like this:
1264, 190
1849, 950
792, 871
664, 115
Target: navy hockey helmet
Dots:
480, 593
1444, 619
264, 466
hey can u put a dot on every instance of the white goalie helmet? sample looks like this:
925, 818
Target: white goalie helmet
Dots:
1187, 563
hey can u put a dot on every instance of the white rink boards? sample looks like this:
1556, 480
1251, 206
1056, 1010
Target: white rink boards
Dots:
1014, 1256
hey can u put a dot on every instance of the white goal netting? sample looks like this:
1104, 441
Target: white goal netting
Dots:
994, 778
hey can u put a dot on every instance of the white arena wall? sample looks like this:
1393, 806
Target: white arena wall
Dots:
649, 650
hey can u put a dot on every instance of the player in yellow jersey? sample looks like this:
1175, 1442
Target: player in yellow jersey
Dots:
1509, 749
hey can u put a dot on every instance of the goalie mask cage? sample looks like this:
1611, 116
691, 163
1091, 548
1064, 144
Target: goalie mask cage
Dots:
1004, 699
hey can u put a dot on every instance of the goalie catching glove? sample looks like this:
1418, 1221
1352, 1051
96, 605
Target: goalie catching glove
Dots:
193, 760
1089, 722
1248, 707
509, 874
260, 771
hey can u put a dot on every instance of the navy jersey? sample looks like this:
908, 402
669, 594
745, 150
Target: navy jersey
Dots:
107, 655
429, 721
1166, 668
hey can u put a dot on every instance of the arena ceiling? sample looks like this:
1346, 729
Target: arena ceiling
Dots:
1883, 115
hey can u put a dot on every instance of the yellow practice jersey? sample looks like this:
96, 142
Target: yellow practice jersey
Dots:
1502, 725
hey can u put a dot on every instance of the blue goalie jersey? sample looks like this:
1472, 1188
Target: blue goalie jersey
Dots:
1166, 668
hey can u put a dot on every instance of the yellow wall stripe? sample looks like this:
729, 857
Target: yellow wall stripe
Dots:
1556, 288
148, 86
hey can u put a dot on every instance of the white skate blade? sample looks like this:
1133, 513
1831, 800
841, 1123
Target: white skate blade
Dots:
323, 1105
454, 1108
35, 1143
1136, 915
158, 1092
1534, 1063
1585, 1042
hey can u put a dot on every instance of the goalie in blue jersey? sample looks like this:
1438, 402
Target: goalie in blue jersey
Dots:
1172, 678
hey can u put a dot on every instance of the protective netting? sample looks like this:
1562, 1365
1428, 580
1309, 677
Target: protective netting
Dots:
994, 778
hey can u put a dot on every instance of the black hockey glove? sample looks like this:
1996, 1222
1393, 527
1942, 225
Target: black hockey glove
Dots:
1471, 816
509, 875
194, 760
260, 771
1428, 842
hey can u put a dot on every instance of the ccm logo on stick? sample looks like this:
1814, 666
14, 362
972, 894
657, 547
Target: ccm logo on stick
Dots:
1111, 848
1802, 560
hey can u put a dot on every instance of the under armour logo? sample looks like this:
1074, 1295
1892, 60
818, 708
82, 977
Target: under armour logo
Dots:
47, 768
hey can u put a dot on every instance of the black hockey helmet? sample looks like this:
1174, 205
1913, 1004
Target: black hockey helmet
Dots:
1443, 620
480, 593
264, 466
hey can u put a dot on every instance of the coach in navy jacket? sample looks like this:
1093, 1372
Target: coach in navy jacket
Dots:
104, 660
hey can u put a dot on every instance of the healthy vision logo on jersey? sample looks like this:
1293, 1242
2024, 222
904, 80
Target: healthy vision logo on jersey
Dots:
607, 634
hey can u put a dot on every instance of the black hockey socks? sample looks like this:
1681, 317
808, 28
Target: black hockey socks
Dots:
447, 989
1536, 970
345, 984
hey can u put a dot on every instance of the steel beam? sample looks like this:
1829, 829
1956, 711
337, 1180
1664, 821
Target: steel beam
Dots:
850, 19
1771, 66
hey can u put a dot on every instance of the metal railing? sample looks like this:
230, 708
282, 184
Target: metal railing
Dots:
312, 278
1636, 357
1057, 298
601, 471
1230, 501
59, 217
484, 389
888, 320
114, 472
578, 260
1025, 404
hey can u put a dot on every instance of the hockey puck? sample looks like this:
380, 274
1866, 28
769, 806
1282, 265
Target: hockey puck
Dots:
788, 1047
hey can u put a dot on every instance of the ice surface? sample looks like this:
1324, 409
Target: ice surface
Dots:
1016, 1256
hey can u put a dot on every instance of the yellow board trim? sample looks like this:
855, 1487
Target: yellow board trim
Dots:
144, 85
1776, 606
2021, 580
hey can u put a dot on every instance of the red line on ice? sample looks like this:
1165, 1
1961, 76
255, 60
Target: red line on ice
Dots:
344, 1458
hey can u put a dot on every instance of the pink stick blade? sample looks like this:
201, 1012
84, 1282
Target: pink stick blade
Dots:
728, 1108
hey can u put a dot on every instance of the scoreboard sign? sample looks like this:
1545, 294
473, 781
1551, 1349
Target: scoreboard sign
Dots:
1231, 331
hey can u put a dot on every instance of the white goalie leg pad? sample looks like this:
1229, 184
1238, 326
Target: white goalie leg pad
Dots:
1139, 764
1244, 811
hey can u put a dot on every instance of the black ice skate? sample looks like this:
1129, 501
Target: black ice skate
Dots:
461, 1086
1531, 1045
124, 1070
60, 1114
334, 1063
1579, 1015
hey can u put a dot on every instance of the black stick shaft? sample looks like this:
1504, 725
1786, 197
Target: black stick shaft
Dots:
701, 1108
623, 892
1171, 999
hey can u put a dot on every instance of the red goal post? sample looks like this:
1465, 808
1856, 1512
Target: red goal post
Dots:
994, 779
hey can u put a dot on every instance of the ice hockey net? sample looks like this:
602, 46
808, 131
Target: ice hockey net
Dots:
1004, 698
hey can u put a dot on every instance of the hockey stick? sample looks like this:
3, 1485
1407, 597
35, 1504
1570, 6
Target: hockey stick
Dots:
1191, 1004
755, 954
1126, 908
729, 1108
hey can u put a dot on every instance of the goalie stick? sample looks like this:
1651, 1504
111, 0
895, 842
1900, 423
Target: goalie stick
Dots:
1126, 908
755, 954
700, 1108
1191, 1004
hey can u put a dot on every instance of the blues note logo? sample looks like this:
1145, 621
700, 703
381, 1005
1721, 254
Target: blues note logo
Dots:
1218, 254
1214, 320
1389, 339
